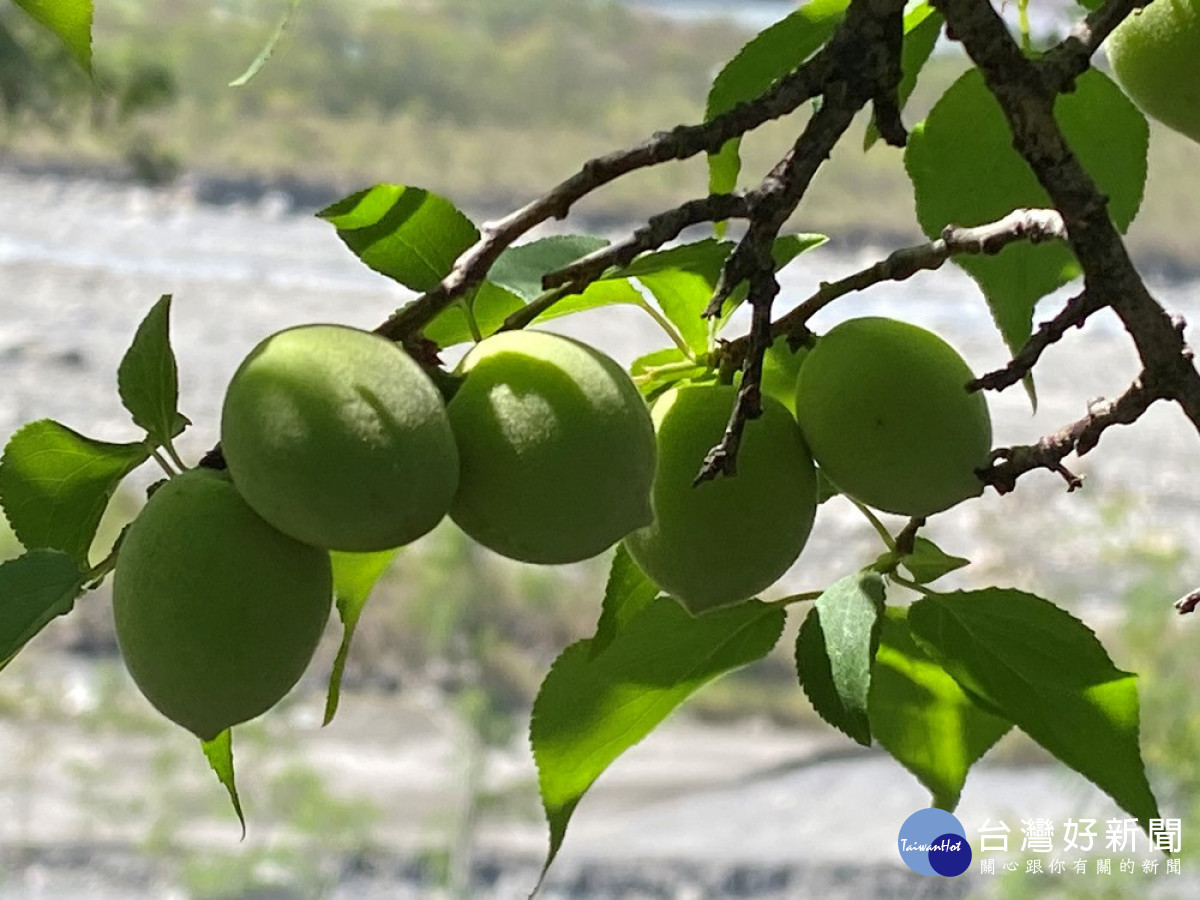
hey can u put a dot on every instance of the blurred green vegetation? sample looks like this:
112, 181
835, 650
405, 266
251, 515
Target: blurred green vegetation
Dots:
489, 102
485, 100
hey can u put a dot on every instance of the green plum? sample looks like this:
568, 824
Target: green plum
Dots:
557, 448
723, 541
885, 410
338, 438
1155, 54
217, 613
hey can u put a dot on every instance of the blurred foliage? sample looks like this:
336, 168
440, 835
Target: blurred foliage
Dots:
487, 102
43, 91
479, 99
471, 62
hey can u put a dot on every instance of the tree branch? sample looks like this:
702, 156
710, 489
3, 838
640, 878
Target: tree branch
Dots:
866, 49
657, 231
680, 143
1072, 56
753, 261
1034, 225
1110, 279
1009, 463
1073, 315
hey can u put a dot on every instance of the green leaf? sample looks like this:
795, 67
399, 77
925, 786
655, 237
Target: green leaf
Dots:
928, 562
354, 577
921, 716
703, 257
627, 593
606, 292
148, 378
219, 752
773, 53
405, 233
682, 296
34, 590
965, 172
835, 650
593, 707
71, 22
922, 27
55, 485
268, 48
491, 306
1045, 670
520, 269
656, 359
682, 280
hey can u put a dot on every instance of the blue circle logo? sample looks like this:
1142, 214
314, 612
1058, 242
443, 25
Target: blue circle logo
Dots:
933, 842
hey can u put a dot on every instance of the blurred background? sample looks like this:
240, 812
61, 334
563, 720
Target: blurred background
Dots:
159, 178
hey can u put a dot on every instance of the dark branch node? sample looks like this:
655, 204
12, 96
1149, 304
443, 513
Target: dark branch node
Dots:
1188, 604
213, 459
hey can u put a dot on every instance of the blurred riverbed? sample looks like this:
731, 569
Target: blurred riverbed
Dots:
699, 810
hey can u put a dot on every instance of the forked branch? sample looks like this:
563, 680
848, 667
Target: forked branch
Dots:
1080, 437
1073, 315
1033, 225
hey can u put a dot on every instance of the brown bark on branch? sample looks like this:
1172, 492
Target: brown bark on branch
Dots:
860, 65
1080, 437
657, 231
680, 143
866, 48
1026, 91
1073, 315
1033, 225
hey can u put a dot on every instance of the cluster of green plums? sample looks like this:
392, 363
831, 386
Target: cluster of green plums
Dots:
335, 439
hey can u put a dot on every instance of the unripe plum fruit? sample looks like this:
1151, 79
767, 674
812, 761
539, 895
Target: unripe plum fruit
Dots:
885, 410
217, 614
1155, 54
337, 438
556, 448
723, 541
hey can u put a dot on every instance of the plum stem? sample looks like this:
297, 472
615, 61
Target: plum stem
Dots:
910, 584
879, 527
805, 597
169, 447
163, 464
467, 305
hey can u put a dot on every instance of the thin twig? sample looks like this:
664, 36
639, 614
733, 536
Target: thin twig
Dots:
1073, 315
1009, 463
1027, 96
657, 231
1071, 57
906, 540
682, 142
752, 260
1033, 225
534, 308
866, 48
